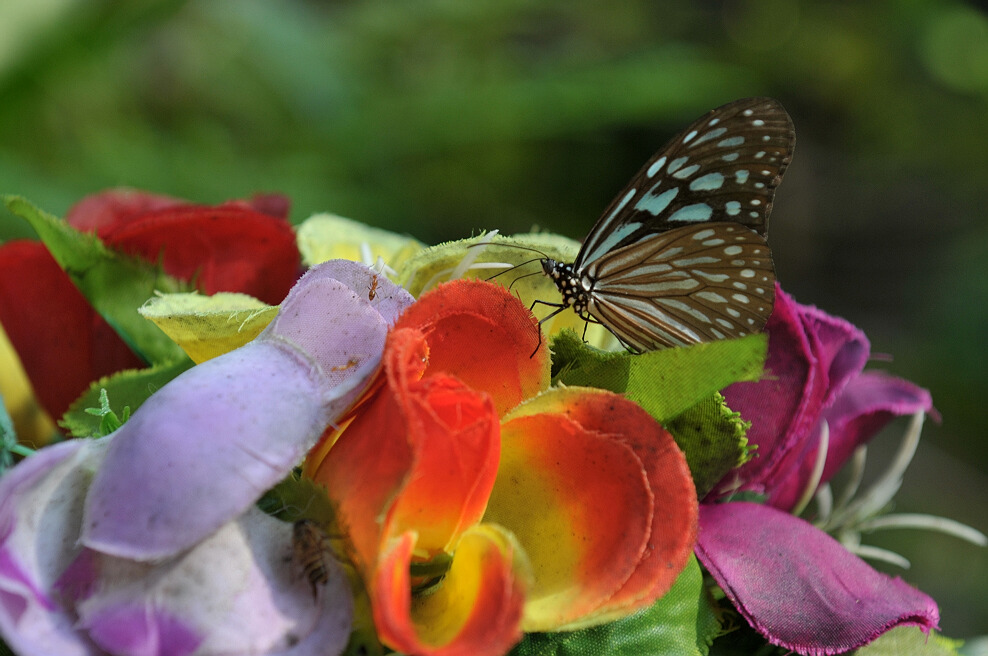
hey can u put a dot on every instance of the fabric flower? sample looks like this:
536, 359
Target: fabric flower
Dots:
478, 507
64, 345
148, 541
795, 584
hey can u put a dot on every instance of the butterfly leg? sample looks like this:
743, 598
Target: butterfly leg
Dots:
559, 308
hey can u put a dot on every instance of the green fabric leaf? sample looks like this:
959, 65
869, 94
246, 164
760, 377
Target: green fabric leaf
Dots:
682, 623
713, 440
115, 284
910, 640
667, 382
8, 439
124, 389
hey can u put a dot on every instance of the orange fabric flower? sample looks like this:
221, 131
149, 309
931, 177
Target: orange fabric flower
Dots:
479, 504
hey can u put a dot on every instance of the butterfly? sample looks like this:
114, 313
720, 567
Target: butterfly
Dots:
680, 255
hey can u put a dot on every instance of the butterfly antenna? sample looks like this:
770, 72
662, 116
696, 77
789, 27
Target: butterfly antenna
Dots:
517, 266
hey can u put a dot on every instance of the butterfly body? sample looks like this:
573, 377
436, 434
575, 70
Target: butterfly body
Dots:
680, 257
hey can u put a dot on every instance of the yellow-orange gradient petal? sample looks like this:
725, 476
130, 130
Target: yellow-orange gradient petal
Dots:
478, 332
579, 502
674, 522
474, 611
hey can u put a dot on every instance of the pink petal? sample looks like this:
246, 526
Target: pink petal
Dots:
799, 587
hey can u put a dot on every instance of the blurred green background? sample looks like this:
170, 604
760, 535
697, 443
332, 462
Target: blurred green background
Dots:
439, 118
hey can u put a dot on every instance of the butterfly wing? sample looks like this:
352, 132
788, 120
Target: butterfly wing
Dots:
692, 284
723, 167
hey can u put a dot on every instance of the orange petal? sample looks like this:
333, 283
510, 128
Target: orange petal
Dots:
474, 611
421, 455
674, 522
578, 499
481, 334
455, 435
363, 472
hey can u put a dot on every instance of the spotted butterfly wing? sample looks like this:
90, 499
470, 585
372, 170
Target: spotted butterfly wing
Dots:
679, 256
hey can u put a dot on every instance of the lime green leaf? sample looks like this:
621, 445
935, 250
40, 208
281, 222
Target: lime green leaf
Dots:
713, 440
667, 382
124, 389
681, 623
910, 640
324, 237
208, 326
115, 284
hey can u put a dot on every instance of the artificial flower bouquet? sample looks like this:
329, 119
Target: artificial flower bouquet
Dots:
333, 439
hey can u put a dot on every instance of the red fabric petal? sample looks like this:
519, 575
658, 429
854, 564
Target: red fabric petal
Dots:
481, 334
62, 342
225, 249
107, 210
799, 587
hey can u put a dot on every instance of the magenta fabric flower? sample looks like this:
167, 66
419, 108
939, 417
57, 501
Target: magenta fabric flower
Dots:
792, 582
147, 541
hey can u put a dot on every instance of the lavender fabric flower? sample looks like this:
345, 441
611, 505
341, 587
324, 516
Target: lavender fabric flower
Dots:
793, 583
148, 542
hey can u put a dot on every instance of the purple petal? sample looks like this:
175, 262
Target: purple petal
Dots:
239, 591
811, 357
208, 444
40, 509
202, 449
868, 403
841, 349
799, 587
786, 403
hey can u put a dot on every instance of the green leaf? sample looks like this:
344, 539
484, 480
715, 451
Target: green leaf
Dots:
115, 284
681, 623
665, 383
910, 640
713, 439
8, 439
125, 388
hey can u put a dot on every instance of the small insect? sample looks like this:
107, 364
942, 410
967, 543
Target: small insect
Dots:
680, 256
311, 551
352, 362
372, 293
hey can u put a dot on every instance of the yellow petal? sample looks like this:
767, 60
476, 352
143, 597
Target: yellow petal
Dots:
208, 326
32, 424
